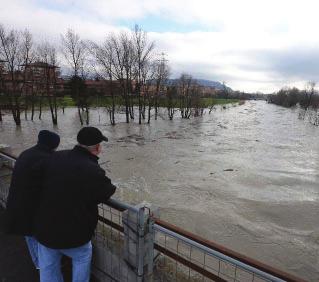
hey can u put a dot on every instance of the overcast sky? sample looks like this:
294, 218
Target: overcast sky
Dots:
252, 45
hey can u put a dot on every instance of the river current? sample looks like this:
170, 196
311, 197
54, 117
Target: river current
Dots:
246, 177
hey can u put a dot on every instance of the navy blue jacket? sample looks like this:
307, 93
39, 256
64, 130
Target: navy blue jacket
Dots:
25, 190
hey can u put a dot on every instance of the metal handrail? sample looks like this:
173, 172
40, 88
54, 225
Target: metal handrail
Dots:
228, 252
8, 156
217, 254
209, 247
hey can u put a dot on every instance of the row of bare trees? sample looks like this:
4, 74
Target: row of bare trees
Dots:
290, 97
307, 99
22, 79
29, 74
129, 59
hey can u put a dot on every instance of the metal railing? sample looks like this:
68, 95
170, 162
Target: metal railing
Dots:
161, 249
6, 164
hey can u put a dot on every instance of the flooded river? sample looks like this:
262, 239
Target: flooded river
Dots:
246, 177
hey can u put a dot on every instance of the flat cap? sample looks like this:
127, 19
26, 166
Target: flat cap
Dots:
90, 136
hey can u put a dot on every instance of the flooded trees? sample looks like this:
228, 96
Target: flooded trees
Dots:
308, 100
47, 66
189, 93
148, 75
287, 97
10, 44
75, 51
196, 100
184, 88
122, 62
142, 49
16, 52
125, 58
104, 56
171, 101
161, 74
131, 76
309, 103
27, 57
308, 95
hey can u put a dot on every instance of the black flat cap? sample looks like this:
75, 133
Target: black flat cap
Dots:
90, 136
49, 139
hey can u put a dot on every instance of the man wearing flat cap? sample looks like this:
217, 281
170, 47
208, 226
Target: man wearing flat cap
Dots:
73, 186
25, 189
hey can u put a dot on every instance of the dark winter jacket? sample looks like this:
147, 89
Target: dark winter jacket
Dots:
74, 185
25, 189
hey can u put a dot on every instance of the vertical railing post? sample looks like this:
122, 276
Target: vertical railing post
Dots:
139, 242
4, 185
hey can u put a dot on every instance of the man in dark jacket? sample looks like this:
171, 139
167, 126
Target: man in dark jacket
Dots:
25, 189
74, 185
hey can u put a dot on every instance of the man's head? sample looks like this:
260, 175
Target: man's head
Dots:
48, 139
90, 138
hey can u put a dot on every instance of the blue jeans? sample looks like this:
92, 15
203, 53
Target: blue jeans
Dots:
32, 244
50, 263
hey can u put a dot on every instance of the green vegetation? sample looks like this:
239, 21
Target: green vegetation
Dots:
105, 101
119, 101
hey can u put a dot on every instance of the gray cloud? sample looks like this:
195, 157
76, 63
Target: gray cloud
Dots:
290, 64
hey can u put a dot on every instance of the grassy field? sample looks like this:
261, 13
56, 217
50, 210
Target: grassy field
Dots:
204, 102
68, 101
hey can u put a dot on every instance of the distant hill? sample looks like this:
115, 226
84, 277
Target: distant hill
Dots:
203, 82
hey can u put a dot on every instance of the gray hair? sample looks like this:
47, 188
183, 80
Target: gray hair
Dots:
89, 148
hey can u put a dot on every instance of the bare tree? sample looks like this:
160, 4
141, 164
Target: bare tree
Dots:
171, 97
104, 55
47, 61
162, 73
16, 52
10, 43
306, 99
129, 58
143, 52
197, 106
148, 75
27, 55
74, 51
122, 67
184, 88
309, 94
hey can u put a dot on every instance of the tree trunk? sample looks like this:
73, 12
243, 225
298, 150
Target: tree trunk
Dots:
113, 106
144, 107
17, 117
87, 114
80, 116
40, 108
26, 107
139, 107
131, 106
53, 110
32, 106
149, 110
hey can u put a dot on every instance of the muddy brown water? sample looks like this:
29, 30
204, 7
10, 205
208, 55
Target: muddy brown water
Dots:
245, 177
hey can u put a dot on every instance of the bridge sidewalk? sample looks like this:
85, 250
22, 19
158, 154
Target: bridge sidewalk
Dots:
15, 262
